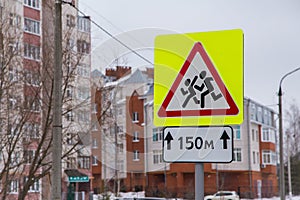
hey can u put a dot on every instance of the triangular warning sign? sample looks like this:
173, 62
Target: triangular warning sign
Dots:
198, 90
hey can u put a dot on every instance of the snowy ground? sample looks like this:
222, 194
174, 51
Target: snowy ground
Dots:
142, 194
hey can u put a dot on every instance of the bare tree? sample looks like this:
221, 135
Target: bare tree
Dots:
293, 119
26, 96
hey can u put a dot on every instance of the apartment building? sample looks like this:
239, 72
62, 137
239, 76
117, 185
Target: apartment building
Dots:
253, 167
27, 47
120, 164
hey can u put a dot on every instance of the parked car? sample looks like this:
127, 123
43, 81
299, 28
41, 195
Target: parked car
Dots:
223, 195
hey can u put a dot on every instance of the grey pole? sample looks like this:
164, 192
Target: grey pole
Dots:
281, 164
56, 174
199, 181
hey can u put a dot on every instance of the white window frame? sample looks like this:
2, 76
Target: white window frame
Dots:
268, 157
94, 160
135, 137
157, 157
32, 26
136, 155
237, 153
32, 4
268, 135
14, 186
135, 117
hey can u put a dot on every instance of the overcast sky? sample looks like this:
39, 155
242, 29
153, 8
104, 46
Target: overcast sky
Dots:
271, 30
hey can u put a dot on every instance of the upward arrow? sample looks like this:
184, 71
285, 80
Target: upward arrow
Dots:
225, 137
168, 138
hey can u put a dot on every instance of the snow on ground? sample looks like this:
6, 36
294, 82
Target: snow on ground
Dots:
277, 198
142, 194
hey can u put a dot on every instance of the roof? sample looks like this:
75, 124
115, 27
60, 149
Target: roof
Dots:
74, 172
96, 74
136, 77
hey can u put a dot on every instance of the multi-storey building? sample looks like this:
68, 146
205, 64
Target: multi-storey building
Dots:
253, 167
27, 47
121, 160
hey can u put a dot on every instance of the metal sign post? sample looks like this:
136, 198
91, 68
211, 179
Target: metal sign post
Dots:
199, 181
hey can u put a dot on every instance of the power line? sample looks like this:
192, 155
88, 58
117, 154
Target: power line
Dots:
109, 34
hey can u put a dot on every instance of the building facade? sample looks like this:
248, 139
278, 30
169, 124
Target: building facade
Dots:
254, 157
27, 51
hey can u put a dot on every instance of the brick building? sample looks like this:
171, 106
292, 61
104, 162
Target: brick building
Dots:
253, 167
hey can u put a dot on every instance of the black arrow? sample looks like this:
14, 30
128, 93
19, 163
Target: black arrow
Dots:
225, 137
168, 138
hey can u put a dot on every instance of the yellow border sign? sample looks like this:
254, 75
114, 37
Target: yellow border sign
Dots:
199, 79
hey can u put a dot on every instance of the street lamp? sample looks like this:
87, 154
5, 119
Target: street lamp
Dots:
281, 169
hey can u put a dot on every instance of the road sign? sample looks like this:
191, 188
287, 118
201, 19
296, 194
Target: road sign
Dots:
198, 79
78, 179
198, 144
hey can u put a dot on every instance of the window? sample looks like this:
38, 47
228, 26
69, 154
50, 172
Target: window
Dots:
13, 186
71, 138
13, 48
120, 147
83, 93
256, 133
31, 51
253, 157
31, 26
71, 162
135, 116
84, 162
268, 157
70, 20
237, 155
32, 3
69, 116
136, 155
257, 157
95, 143
157, 135
83, 70
94, 160
14, 19
83, 116
83, 47
33, 130
12, 103
35, 186
268, 135
15, 159
32, 103
71, 45
237, 132
157, 156
84, 24
29, 156
259, 114
32, 78
69, 91
253, 111
136, 137
13, 74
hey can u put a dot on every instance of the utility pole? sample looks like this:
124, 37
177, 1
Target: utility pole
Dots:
56, 174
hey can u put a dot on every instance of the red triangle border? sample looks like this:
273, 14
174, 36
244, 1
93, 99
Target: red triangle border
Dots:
232, 110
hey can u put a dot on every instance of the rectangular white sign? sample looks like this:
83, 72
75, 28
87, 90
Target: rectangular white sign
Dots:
198, 144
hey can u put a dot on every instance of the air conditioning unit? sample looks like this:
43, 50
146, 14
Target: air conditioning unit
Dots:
263, 166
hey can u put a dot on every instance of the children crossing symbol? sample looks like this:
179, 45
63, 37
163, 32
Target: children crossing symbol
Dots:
198, 90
